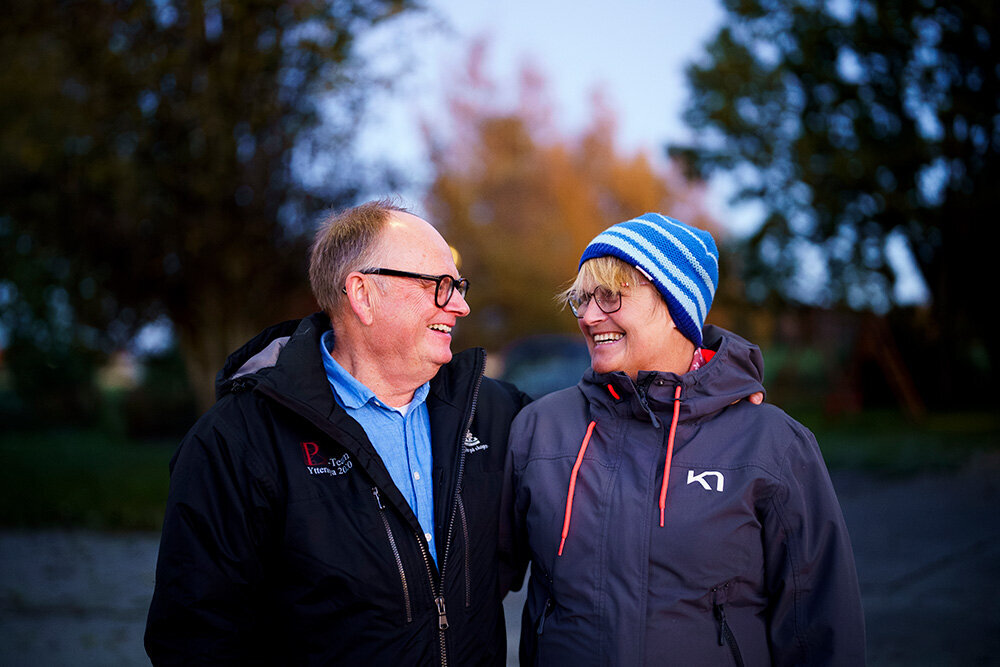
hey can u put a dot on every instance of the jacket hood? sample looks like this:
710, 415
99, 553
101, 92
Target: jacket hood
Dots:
260, 352
302, 367
735, 372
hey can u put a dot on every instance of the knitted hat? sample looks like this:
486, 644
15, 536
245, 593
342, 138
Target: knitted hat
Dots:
680, 260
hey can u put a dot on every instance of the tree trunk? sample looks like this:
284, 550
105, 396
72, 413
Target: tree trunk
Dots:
205, 342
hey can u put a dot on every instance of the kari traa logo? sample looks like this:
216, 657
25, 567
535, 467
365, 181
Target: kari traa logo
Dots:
704, 477
317, 464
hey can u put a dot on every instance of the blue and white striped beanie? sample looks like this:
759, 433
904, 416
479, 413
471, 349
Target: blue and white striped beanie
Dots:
680, 260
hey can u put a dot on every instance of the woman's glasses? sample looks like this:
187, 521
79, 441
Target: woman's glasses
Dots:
607, 300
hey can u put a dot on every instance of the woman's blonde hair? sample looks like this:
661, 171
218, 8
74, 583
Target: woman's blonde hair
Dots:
606, 271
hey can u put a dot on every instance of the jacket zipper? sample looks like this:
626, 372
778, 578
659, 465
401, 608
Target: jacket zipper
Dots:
437, 587
545, 614
465, 536
437, 592
395, 553
550, 604
726, 635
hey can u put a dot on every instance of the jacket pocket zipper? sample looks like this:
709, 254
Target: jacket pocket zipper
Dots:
395, 553
550, 604
726, 635
465, 537
546, 611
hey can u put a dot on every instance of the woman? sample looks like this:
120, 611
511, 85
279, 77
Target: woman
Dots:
667, 520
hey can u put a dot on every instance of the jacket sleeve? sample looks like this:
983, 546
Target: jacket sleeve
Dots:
513, 546
815, 612
206, 605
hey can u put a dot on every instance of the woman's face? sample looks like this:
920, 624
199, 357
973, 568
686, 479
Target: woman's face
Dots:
640, 336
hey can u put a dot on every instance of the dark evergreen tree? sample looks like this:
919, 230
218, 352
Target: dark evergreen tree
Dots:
158, 158
852, 123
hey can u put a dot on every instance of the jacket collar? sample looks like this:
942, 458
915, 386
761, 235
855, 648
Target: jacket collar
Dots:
734, 373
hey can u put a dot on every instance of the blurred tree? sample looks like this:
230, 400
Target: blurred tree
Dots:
164, 156
857, 125
520, 203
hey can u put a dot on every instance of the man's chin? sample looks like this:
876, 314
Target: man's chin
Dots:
443, 357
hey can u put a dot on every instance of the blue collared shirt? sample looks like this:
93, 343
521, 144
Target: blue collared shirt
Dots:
401, 436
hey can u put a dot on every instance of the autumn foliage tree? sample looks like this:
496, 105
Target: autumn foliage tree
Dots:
519, 200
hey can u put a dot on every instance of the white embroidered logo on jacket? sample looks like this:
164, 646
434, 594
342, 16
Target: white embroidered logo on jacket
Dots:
719, 479
473, 444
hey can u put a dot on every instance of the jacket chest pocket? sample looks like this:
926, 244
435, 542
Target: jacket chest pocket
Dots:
711, 531
475, 529
348, 552
397, 558
726, 637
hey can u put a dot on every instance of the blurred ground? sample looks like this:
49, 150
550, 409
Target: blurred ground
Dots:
74, 598
928, 553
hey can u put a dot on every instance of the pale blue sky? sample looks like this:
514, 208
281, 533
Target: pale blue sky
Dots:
633, 50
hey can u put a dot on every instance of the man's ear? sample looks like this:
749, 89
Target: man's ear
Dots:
360, 297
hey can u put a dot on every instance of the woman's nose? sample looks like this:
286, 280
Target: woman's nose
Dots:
591, 312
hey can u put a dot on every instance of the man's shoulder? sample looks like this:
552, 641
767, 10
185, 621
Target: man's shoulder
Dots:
569, 404
237, 416
504, 391
465, 371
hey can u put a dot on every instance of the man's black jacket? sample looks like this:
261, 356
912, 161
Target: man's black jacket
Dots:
285, 540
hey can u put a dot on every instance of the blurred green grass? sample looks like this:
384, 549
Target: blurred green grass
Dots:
82, 479
88, 479
887, 442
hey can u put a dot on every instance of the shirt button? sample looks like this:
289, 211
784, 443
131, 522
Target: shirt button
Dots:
428, 536
416, 475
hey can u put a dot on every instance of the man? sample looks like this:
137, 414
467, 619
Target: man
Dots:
339, 503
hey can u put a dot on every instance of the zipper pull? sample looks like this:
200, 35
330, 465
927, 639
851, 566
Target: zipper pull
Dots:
545, 614
720, 615
378, 499
442, 613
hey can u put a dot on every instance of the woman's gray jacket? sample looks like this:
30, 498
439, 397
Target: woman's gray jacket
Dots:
752, 565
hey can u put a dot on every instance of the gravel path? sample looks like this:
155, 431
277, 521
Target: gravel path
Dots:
927, 547
928, 556
74, 598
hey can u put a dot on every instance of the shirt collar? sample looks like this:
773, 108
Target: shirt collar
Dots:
351, 392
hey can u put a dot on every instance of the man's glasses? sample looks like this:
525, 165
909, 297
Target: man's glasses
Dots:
607, 300
444, 285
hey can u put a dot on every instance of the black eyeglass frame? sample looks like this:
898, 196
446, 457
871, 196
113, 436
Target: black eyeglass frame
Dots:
578, 304
459, 284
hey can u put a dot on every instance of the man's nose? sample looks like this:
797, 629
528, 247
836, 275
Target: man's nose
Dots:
457, 304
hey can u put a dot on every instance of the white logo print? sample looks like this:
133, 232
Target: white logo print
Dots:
719, 479
472, 443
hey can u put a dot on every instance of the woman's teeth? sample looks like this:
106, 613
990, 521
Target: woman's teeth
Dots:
607, 337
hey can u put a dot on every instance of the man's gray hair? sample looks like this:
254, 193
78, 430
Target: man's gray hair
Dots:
346, 241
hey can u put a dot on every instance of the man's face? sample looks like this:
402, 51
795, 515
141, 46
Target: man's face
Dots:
411, 333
